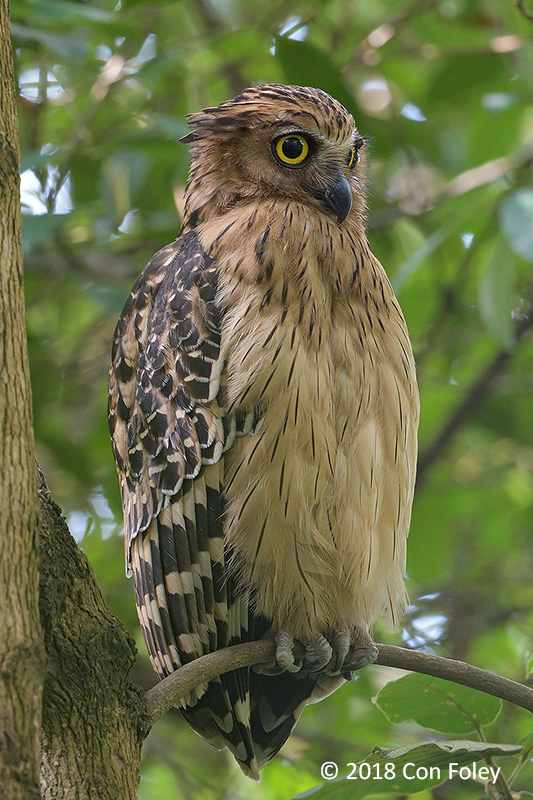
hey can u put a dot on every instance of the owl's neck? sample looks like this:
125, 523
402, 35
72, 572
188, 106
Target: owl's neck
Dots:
206, 199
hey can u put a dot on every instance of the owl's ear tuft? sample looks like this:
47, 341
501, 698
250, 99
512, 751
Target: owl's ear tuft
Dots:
212, 121
201, 124
192, 136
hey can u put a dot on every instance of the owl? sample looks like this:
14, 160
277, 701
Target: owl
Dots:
263, 412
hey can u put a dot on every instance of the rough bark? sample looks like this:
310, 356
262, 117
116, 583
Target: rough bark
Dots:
93, 724
90, 717
21, 652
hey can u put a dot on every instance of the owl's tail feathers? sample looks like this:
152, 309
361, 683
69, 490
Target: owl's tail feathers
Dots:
255, 723
222, 717
277, 703
181, 611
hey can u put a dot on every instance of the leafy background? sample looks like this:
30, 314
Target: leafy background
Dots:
445, 89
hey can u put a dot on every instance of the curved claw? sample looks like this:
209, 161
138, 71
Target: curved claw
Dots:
341, 647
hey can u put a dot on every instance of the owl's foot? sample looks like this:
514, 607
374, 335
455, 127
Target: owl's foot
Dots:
362, 652
318, 653
284, 652
341, 655
284, 656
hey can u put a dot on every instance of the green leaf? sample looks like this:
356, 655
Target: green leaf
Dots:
66, 12
516, 221
496, 294
36, 228
436, 703
305, 64
70, 47
410, 769
529, 667
419, 256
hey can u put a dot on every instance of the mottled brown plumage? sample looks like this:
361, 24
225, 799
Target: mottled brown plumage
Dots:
263, 411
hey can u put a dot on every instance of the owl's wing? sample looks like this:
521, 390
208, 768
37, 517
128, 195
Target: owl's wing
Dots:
168, 436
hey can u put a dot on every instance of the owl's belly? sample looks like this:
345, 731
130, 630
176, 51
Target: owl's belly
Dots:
317, 499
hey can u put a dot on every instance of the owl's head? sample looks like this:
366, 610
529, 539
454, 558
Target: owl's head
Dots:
275, 141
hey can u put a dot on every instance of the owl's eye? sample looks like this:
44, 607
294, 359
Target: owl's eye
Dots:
291, 150
353, 158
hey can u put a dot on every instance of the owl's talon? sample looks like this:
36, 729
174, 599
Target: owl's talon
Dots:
362, 652
318, 653
284, 652
363, 656
340, 645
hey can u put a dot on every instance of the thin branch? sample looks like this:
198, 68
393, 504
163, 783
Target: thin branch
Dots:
457, 672
500, 784
523, 10
169, 691
483, 175
471, 400
215, 25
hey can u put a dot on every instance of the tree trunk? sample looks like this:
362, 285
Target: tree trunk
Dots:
90, 719
21, 650
93, 725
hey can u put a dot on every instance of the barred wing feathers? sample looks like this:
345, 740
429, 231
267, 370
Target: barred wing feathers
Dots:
169, 435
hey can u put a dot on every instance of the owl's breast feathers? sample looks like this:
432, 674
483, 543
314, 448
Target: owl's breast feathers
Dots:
313, 341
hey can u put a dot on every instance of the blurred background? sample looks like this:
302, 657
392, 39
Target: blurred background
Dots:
445, 89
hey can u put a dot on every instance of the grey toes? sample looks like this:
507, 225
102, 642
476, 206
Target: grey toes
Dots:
340, 644
344, 653
284, 656
284, 652
341, 655
360, 656
318, 653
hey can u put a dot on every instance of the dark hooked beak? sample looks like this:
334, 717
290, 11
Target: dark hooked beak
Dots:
337, 196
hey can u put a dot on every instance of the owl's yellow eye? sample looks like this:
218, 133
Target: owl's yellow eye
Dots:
292, 149
353, 158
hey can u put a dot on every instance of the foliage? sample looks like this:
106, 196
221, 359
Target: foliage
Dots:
444, 88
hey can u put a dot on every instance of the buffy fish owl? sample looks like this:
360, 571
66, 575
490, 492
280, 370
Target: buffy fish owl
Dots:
263, 411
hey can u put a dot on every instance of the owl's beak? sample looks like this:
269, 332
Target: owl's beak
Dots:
337, 196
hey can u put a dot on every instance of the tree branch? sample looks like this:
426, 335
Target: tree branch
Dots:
523, 10
458, 672
214, 25
472, 399
169, 691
